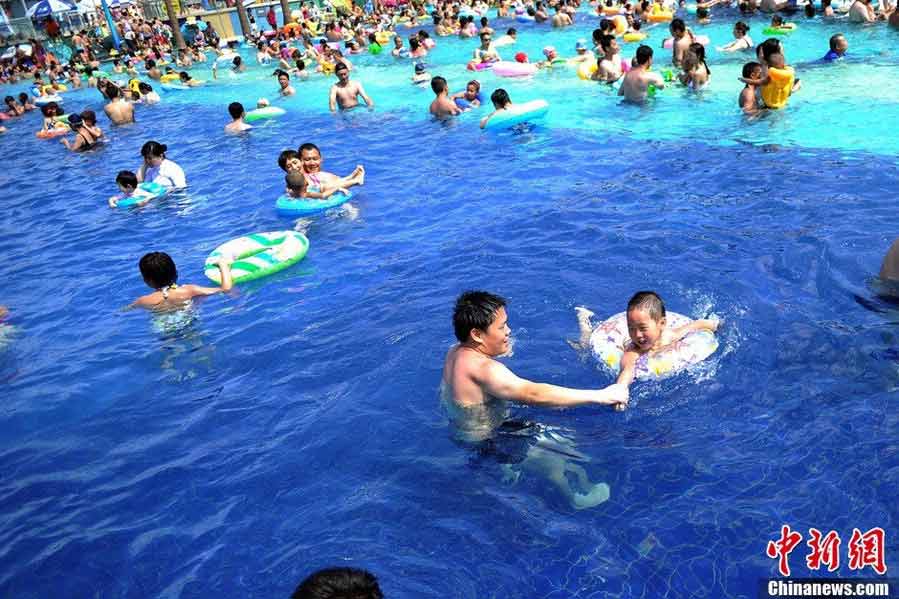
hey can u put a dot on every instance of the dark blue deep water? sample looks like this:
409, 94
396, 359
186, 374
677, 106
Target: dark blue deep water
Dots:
296, 424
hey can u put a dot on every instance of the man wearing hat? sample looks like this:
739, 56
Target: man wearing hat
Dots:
583, 55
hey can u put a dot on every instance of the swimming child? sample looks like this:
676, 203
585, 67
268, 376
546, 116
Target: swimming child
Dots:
752, 71
289, 160
421, 75
470, 98
298, 187
159, 272
237, 124
696, 74
128, 185
777, 84
646, 325
501, 102
51, 112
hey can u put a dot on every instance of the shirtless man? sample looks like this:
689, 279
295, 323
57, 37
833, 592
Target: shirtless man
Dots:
561, 19
237, 124
344, 93
285, 89
683, 37
609, 68
861, 11
635, 85
474, 380
442, 107
118, 110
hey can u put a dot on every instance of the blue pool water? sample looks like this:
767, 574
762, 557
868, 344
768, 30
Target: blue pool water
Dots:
297, 425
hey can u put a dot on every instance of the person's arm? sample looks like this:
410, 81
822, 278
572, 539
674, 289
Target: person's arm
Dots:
225, 267
657, 80
697, 325
361, 91
79, 141
628, 368
486, 118
497, 380
332, 99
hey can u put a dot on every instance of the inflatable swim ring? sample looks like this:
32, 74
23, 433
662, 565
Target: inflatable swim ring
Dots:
660, 16
785, 29
634, 36
288, 206
611, 337
481, 66
155, 190
96, 75
585, 70
620, 24
52, 133
777, 92
172, 87
44, 100
258, 255
611, 10
700, 39
268, 112
168, 78
524, 19
506, 68
517, 114
382, 37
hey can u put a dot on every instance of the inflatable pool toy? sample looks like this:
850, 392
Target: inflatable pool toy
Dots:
154, 192
777, 91
268, 112
481, 66
44, 100
585, 70
172, 87
96, 75
609, 339
52, 133
288, 206
700, 39
169, 78
48, 89
611, 10
517, 114
382, 37
660, 16
785, 29
524, 18
506, 68
258, 255
634, 36
620, 24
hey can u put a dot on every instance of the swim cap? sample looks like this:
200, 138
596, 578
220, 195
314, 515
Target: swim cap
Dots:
548, 50
581, 44
420, 68
521, 57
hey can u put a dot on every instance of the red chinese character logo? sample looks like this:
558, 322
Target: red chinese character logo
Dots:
782, 548
867, 550
826, 550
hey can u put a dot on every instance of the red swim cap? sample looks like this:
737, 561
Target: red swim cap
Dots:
521, 57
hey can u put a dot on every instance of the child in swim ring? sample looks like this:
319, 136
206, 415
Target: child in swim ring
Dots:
501, 102
646, 325
128, 185
297, 187
159, 272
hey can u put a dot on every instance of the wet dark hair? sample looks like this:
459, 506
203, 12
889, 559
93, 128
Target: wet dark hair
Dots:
296, 181
158, 270
153, 148
741, 27
438, 84
809, 10
341, 66
112, 91
749, 67
834, 39
677, 25
475, 83
475, 310
511, 31
702, 12
23, 98
286, 155
500, 97
606, 41
235, 109
649, 302
144, 88
126, 178
698, 51
606, 25
46, 109
769, 47
309, 146
8, 99
89, 117
339, 583
644, 54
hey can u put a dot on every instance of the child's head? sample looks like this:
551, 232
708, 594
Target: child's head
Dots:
500, 98
777, 21
235, 109
645, 319
740, 29
158, 270
144, 88
472, 89
752, 70
289, 160
296, 183
127, 181
184, 76
50, 109
438, 85
23, 98
838, 43
311, 157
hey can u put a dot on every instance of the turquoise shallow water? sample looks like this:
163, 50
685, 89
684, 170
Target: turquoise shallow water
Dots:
296, 424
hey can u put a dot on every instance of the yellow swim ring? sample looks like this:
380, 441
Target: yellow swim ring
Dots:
169, 78
659, 16
383, 37
585, 70
60, 87
777, 91
620, 24
634, 36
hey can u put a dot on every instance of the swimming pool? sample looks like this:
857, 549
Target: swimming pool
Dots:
297, 425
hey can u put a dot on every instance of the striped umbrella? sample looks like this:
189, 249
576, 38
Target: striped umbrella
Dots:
45, 8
